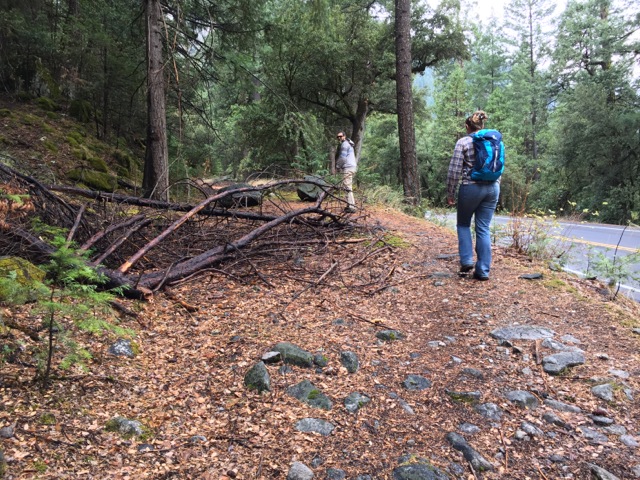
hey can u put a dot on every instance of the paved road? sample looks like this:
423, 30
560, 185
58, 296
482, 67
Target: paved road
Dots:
583, 240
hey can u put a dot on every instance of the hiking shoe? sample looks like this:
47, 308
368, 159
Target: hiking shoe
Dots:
482, 278
466, 268
350, 210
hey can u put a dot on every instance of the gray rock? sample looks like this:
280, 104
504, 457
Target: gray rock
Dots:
309, 192
532, 276
315, 425
629, 394
593, 435
570, 339
636, 471
145, 447
299, 471
125, 427
456, 469
490, 411
294, 355
7, 432
336, 474
531, 429
307, 393
472, 372
469, 428
198, 439
257, 378
122, 348
615, 430
604, 392
349, 361
557, 458
522, 332
320, 360
554, 419
520, 435
523, 399
629, 441
271, 357
416, 382
619, 373
249, 198
477, 461
552, 344
355, 401
389, 335
598, 473
636, 331
600, 420
406, 407
435, 344
418, 471
561, 407
559, 362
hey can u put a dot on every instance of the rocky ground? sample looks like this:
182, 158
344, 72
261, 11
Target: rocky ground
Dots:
439, 388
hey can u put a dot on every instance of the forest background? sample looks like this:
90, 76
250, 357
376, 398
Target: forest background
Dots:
259, 88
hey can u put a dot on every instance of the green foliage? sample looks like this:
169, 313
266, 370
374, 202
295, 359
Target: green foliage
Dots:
532, 235
70, 291
614, 271
47, 419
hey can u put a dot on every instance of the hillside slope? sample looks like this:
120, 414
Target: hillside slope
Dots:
443, 372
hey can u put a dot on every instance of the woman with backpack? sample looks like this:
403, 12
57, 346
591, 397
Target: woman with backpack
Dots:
478, 191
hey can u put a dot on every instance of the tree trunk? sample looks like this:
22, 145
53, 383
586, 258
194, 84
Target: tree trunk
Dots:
155, 182
406, 132
358, 125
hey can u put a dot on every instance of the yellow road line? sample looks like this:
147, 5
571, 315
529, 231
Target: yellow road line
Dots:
596, 244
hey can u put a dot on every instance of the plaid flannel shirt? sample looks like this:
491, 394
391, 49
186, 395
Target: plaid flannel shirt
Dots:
461, 165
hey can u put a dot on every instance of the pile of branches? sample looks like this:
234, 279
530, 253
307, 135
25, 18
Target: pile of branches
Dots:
144, 245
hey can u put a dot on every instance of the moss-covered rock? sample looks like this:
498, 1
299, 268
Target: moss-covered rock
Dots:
124, 160
5, 112
98, 164
47, 104
20, 280
26, 272
93, 179
80, 110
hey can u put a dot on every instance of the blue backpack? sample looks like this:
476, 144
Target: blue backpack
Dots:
489, 152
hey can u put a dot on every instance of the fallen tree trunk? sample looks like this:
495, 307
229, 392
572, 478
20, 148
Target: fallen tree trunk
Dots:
314, 219
220, 253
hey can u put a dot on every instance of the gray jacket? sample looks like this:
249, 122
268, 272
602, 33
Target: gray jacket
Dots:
346, 161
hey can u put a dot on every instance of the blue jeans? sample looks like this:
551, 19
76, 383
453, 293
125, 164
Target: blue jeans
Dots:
479, 200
